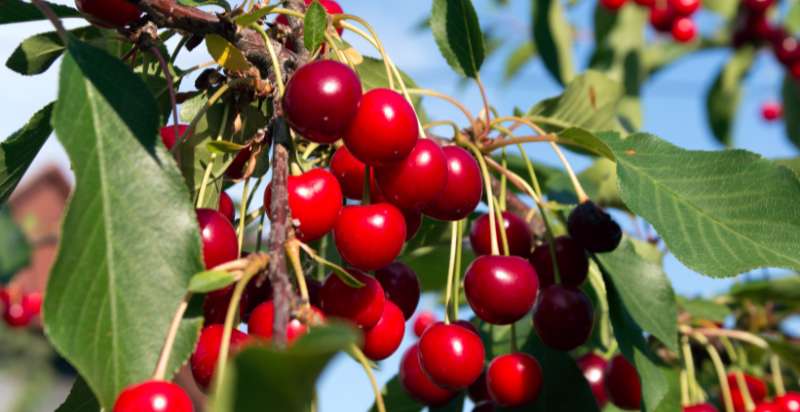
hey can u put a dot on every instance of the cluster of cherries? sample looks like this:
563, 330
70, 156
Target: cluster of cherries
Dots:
666, 16
19, 310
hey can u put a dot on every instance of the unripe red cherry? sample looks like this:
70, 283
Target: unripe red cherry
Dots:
563, 318
417, 383
573, 264
593, 228
612, 5
517, 234
684, 30
417, 179
758, 6
501, 289
401, 286
220, 243
226, 206
363, 306
423, 321
514, 379
236, 170
444, 346
661, 18
384, 128
756, 387
349, 171
381, 340
463, 191
478, 391
790, 402
206, 353
369, 237
771, 111
315, 200
153, 396
703, 407
108, 13
263, 316
168, 134
768, 407
684, 7
622, 384
594, 367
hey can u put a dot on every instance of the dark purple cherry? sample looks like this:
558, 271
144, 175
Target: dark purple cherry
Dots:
517, 234
573, 264
593, 228
563, 318
401, 286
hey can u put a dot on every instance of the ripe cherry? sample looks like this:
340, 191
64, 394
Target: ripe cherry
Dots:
363, 306
768, 407
501, 289
423, 321
168, 134
215, 306
381, 340
315, 200
684, 30
661, 18
645, 3
790, 402
756, 387
350, 173
703, 407
401, 286
417, 383
32, 303
479, 391
413, 222
415, 180
220, 243
236, 170
612, 5
263, 316
594, 367
153, 396
771, 111
226, 206
370, 237
16, 316
330, 6
593, 228
518, 235
206, 353
622, 384
384, 129
463, 191
257, 292
786, 49
684, 7
514, 379
108, 13
563, 318
573, 264
758, 6
444, 346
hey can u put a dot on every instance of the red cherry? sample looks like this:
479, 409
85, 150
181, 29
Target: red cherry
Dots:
563, 318
612, 5
108, 13
622, 384
467, 325
215, 306
263, 316
206, 353
771, 111
684, 7
463, 191
790, 402
153, 396
370, 237
15, 315
349, 171
330, 6
645, 3
238, 166
514, 379
786, 49
478, 391
363, 306
168, 134
220, 243
413, 222
226, 206
703, 407
254, 294
415, 180
384, 129
424, 320
442, 347
517, 234
501, 289
758, 6
768, 407
756, 387
594, 367
661, 18
401, 286
573, 264
315, 200
684, 30
417, 383
32, 303
381, 340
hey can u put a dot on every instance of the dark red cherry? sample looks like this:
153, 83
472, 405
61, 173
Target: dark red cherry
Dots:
622, 384
645, 3
263, 316
206, 353
370, 237
215, 306
768, 407
771, 111
413, 222
384, 129
331, 6
226, 206
315, 200
661, 18
383, 339
109, 13
703, 407
758, 6
684, 7
350, 173
463, 190
168, 134
220, 243
786, 49
612, 5
444, 346
423, 321
257, 292
594, 367
478, 391
153, 396
415, 180
363, 306
756, 387
593, 228
401, 285
517, 234
790, 402
684, 30
236, 170
573, 264
417, 383
514, 379
501, 289
563, 317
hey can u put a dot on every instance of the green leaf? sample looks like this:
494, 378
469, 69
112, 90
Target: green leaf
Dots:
80, 399
552, 35
18, 11
37, 53
705, 309
790, 92
788, 352
19, 149
210, 280
125, 259
722, 100
724, 8
793, 164
522, 55
720, 213
396, 398
15, 252
792, 20
455, 27
314, 25
428, 253
784, 290
254, 16
194, 3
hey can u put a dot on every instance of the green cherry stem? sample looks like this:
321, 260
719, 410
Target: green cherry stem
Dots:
376, 390
719, 368
499, 218
243, 212
690, 372
210, 166
487, 182
457, 271
448, 293
777, 376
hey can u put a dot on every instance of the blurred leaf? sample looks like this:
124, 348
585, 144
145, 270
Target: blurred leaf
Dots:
457, 32
396, 398
793, 164
552, 35
428, 253
790, 92
224, 147
792, 20
725, 8
15, 252
722, 100
314, 25
37, 53
788, 352
18, 11
522, 55
705, 309
80, 399
226, 54
194, 3
18, 150
210, 280
785, 290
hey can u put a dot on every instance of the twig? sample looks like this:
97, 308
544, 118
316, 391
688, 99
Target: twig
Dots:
48, 12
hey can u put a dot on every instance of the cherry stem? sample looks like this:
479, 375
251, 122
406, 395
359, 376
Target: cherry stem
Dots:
501, 143
749, 405
719, 367
200, 113
499, 219
487, 108
210, 165
690, 372
366, 196
576, 184
293, 252
515, 179
777, 376
163, 358
261, 219
743, 336
487, 182
503, 182
376, 390
448, 294
243, 212
457, 271
276, 65
375, 41
684, 390
451, 100
514, 338
343, 274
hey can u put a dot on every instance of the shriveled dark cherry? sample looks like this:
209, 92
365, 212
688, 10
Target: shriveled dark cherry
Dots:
401, 285
315, 200
756, 387
622, 384
226, 206
613, 5
220, 243
514, 379
661, 18
418, 384
573, 264
790, 401
168, 134
363, 306
444, 346
463, 191
384, 128
370, 237
703, 407
413, 222
153, 396
204, 359
109, 13
684, 30
261, 323
518, 235
415, 180
594, 367
423, 321
593, 228
563, 317
684, 7
349, 171
383, 339
501, 289
757, 6
478, 391
236, 170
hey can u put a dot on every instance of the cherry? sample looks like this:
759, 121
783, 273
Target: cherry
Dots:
790, 402
384, 128
786, 48
501, 289
424, 320
563, 318
661, 18
467, 325
594, 367
108, 13
485, 406
444, 346
401, 286
330, 6
350, 173
768, 407
226, 206
613, 5
593, 228
514, 379
263, 316
256, 292
215, 306
168, 134
702, 407
463, 191
381, 340
32, 303
645, 3
479, 391
415, 180
622, 384
417, 383
684, 7
16, 316
413, 222
153, 396
517, 234
771, 111
315, 199
573, 264
369, 237
236, 170
758, 6
220, 243
206, 353
684, 30
756, 387
363, 306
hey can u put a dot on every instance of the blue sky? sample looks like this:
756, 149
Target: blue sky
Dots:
673, 109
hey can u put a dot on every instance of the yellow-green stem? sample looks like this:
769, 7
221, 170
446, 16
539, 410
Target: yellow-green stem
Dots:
719, 368
210, 165
448, 293
376, 390
487, 182
243, 212
777, 375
